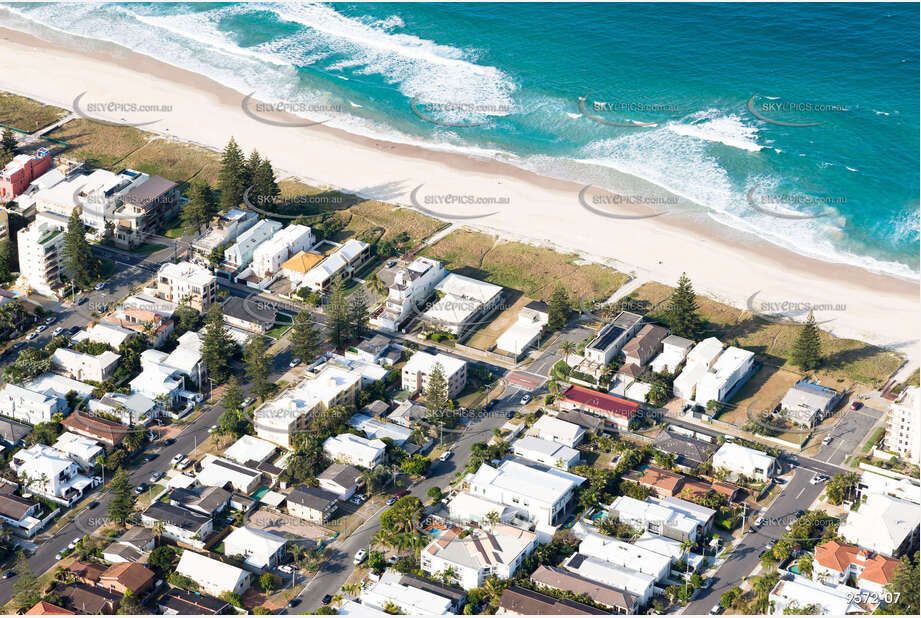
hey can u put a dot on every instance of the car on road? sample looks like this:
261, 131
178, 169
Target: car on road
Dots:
826, 440
360, 556
294, 363
392, 500
248, 402
57, 331
41, 328
140, 488
445, 456
856, 405
82, 300
149, 457
759, 522
176, 458
169, 442
99, 286
525, 399
213, 429
818, 478
73, 330
9, 574
31, 336
156, 476
18, 345
716, 610
296, 602
50, 319
93, 504
327, 598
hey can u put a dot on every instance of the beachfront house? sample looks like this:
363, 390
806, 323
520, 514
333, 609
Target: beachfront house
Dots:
747, 461
412, 285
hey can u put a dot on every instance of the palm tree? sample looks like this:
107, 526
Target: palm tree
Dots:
492, 519
158, 528
337, 600
448, 575
353, 589
567, 348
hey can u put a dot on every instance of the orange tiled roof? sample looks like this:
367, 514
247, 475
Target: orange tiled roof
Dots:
663, 479
839, 556
43, 608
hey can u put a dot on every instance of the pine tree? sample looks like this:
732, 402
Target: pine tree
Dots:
357, 315
682, 311
8, 141
251, 167
79, 261
232, 398
232, 175
257, 365
26, 589
305, 340
337, 314
266, 187
217, 347
130, 605
807, 349
558, 309
201, 207
122, 504
6, 258
436, 393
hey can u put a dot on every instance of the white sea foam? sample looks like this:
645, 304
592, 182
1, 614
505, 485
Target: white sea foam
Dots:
714, 125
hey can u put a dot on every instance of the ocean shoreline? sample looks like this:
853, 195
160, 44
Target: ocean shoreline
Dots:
368, 167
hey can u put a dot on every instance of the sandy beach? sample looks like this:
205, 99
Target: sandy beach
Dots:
879, 309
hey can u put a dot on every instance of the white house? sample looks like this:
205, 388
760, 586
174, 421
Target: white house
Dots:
733, 365
412, 285
240, 254
104, 332
187, 282
133, 409
546, 452
268, 257
542, 496
670, 517
609, 574
213, 577
463, 302
611, 339
260, 549
497, 551
80, 366
355, 450
794, 593
698, 362
250, 449
467, 508
627, 555
81, 449
30, 406
57, 385
388, 590
341, 479
217, 472
903, 425
523, 333
40, 247
883, 524
806, 403
417, 370
375, 428
50, 473
227, 228
341, 264
744, 460
551, 428
674, 350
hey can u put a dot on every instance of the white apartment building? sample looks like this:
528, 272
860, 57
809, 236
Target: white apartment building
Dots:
40, 252
355, 450
217, 472
100, 195
698, 362
260, 549
794, 593
674, 350
279, 420
411, 601
546, 452
609, 574
240, 254
187, 282
541, 497
498, 551
81, 449
551, 428
417, 370
268, 257
744, 460
213, 576
903, 425
50, 473
732, 366
412, 286
627, 555
30, 406
227, 228
80, 366
135, 409
339, 265
525, 331
464, 301
670, 517
104, 332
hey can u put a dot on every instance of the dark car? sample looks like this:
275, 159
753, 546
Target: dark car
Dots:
327, 598
82, 300
140, 488
92, 505
510, 414
169, 441
856, 405
73, 330
9, 574
150, 457
490, 405
401, 493
296, 602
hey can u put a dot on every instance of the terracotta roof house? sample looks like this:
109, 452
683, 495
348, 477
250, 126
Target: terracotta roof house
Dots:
103, 430
663, 482
86, 572
837, 562
520, 601
44, 608
127, 576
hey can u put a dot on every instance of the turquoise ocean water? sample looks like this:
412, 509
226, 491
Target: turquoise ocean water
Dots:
834, 131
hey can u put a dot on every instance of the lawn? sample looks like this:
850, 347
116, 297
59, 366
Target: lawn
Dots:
846, 361
535, 271
761, 393
25, 114
100, 145
175, 160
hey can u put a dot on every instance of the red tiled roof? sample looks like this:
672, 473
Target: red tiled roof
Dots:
43, 608
663, 479
838, 557
95, 427
608, 404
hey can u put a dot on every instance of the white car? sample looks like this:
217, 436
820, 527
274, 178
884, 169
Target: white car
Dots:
827, 440
445, 456
41, 328
360, 557
57, 331
525, 399
50, 319
294, 363
759, 522
99, 286
818, 478
31, 336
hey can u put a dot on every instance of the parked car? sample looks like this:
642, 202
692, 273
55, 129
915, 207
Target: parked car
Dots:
150, 457
759, 522
327, 598
294, 363
73, 543
360, 556
73, 330
140, 488
57, 332
510, 414
99, 286
525, 399
59, 555
9, 574
156, 476
248, 402
41, 328
716, 610
169, 441
826, 440
176, 458
213, 429
392, 500
401, 493
445, 456
490, 405
50, 319
296, 602
31, 336
856, 405
184, 463
92, 505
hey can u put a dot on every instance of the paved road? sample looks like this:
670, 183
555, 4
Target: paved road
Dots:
848, 433
551, 355
797, 494
338, 566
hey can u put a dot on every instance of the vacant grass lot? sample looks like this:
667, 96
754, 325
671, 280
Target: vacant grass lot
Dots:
178, 161
535, 271
846, 360
25, 114
100, 145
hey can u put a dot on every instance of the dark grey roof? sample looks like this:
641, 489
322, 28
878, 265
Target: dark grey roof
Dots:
312, 497
690, 449
375, 345
243, 309
138, 535
518, 600
376, 408
14, 507
124, 551
538, 305
207, 499
191, 603
12, 432
148, 191
455, 594
341, 474
560, 579
582, 419
177, 516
